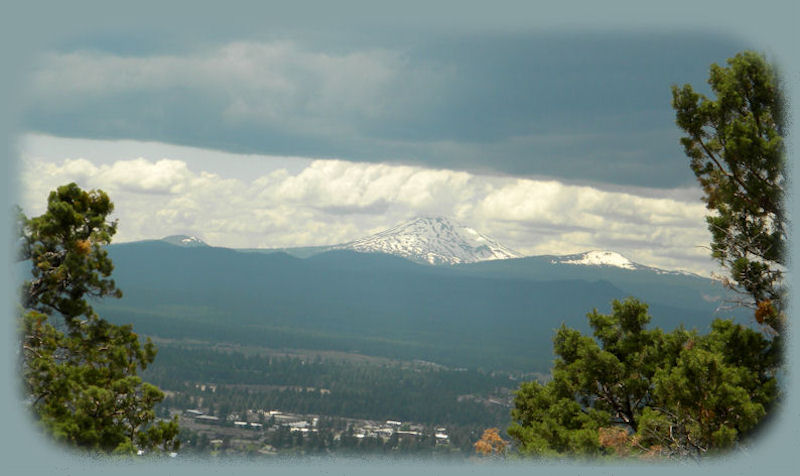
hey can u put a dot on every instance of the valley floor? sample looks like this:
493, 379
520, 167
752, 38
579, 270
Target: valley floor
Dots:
259, 402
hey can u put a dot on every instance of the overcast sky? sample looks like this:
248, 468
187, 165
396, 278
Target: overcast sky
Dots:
549, 142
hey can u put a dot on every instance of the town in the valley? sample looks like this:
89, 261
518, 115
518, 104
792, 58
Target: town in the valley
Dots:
262, 432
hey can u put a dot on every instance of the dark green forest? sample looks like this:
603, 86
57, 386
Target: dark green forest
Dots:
372, 391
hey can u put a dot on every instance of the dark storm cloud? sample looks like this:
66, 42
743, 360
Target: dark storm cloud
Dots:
584, 106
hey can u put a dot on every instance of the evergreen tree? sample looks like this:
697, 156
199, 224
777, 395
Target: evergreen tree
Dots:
670, 393
79, 371
630, 389
736, 150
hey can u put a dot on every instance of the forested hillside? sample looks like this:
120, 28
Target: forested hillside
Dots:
377, 391
373, 304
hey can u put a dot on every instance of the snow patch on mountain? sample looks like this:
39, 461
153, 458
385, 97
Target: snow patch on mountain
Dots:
185, 240
433, 240
613, 259
598, 258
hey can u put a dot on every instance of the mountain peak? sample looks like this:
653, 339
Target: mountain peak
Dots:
597, 258
184, 240
433, 240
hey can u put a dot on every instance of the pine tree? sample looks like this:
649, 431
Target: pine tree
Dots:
674, 393
80, 371
630, 390
736, 150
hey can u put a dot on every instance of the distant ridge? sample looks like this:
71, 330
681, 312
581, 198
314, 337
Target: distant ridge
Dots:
437, 240
496, 312
597, 258
610, 259
184, 240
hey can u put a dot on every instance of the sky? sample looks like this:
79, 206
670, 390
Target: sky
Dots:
550, 142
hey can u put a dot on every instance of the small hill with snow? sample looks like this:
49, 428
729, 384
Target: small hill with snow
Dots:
597, 258
605, 258
184, 240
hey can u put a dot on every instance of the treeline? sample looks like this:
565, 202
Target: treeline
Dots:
487, 349
326, 387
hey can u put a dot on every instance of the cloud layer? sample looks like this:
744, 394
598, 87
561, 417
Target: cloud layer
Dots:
333, 201
584, 106
276, 85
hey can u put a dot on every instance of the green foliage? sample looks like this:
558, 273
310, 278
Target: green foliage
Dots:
720, 386
736, 150
676, 393
79, 371
66, 246
367, 390
549, 423
681, 393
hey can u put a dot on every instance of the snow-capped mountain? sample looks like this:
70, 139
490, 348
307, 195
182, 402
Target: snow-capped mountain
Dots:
433, 240
184, 240
442, 241
611, 259
597, 258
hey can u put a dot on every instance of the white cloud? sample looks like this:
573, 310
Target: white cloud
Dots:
138, 175
333, 201
341, 184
